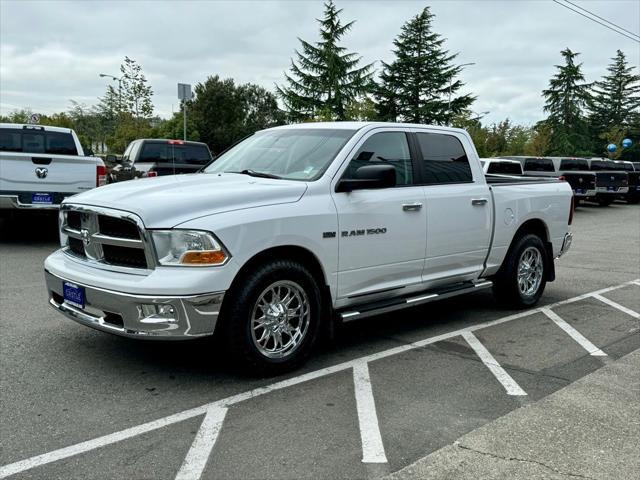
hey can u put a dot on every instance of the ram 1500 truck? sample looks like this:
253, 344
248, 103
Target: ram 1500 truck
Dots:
633, 174
301, 226
611, 181
41, 165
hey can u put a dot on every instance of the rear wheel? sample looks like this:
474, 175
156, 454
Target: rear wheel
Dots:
522, 278
272, 318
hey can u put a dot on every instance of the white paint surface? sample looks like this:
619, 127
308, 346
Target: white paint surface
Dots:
575, 334
372, 447
509, 384
196, 460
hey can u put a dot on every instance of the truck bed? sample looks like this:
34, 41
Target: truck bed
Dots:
498, 180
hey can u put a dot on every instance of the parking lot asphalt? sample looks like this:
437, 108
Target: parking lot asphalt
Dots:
76, 403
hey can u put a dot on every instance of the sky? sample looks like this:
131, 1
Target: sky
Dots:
52, 51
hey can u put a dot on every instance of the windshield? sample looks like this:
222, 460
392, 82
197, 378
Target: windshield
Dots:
293, 154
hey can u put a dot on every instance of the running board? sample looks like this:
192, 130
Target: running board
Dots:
384, 306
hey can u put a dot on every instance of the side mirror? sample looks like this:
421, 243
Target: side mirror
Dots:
368, 177
112, 159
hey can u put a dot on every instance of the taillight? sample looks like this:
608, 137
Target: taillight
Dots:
573, 206
101, 175
151, 174
562, 179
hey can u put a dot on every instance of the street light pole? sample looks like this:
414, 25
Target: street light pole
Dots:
119, 80
450, 81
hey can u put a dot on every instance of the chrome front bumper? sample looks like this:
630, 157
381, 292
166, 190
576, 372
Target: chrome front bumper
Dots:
129, 315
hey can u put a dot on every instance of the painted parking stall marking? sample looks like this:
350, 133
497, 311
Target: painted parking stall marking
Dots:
373, 449
616, 305
573, 333
509, 384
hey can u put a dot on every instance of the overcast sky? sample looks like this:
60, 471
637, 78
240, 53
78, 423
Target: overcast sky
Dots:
52, 51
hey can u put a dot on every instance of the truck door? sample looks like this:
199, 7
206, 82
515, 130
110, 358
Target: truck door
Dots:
382, 232
458, 208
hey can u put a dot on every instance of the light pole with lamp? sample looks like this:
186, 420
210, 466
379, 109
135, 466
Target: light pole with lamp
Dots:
450, 82
119, 80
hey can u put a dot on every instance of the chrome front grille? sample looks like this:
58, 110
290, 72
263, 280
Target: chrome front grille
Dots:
110, 238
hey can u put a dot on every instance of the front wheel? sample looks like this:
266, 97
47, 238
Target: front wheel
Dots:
522, 278
273, 317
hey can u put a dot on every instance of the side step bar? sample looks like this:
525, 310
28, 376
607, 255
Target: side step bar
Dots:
384, 306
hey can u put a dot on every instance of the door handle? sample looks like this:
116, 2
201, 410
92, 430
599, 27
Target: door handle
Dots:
479, 201
411, 207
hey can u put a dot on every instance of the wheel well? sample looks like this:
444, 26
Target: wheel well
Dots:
290, 252
539, 228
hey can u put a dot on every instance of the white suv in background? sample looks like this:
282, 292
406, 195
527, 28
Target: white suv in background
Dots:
40, 166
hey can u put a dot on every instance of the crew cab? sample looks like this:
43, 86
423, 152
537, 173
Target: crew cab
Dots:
611, 180
41, 165
301, 226
633, 175
575, 171
500, 166
155, 157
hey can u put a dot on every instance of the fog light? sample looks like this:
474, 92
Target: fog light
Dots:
152, 310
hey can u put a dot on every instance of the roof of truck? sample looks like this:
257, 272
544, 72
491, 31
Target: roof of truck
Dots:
360, 125
28, 126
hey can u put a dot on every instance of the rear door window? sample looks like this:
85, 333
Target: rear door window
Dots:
539, 165
444, 159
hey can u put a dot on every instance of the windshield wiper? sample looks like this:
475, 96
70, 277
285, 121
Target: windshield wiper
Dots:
253, 173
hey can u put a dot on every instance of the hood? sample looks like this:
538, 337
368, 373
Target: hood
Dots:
164, 202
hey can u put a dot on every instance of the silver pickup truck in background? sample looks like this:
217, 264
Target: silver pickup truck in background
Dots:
40, 166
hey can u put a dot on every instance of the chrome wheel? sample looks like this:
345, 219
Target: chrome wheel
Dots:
530, 271
280, 319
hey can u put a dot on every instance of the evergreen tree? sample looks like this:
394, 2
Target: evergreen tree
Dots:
326, 78
136, 94
419, 85
566, 99
615, 103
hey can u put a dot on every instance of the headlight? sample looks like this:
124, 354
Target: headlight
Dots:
188, 247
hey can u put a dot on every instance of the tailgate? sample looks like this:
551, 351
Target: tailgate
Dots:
611, 179
27, 172
580, 182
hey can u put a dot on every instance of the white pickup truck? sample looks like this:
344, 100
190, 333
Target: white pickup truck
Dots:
40, 166
301, 226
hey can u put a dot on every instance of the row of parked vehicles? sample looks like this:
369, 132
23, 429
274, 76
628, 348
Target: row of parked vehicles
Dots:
592, 179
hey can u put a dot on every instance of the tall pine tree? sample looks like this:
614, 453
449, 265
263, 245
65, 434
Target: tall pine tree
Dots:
614, 100
566, 99
420, 84
326, 78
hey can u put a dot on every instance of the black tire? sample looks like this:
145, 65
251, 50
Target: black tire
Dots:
238, 311
605, 202
505, 283
633, 200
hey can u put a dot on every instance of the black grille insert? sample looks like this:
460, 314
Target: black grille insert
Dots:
118, 227
74, 220
76, 246
124, 256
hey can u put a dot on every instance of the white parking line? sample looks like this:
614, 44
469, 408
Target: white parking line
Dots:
196, 459
372, 447
613, 304
492, 364
575, 334
86, 446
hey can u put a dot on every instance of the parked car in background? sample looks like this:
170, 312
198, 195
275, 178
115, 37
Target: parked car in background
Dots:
633, 173
41, 165
302, 225
611, 181
575, 171
157, 157
500, 166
